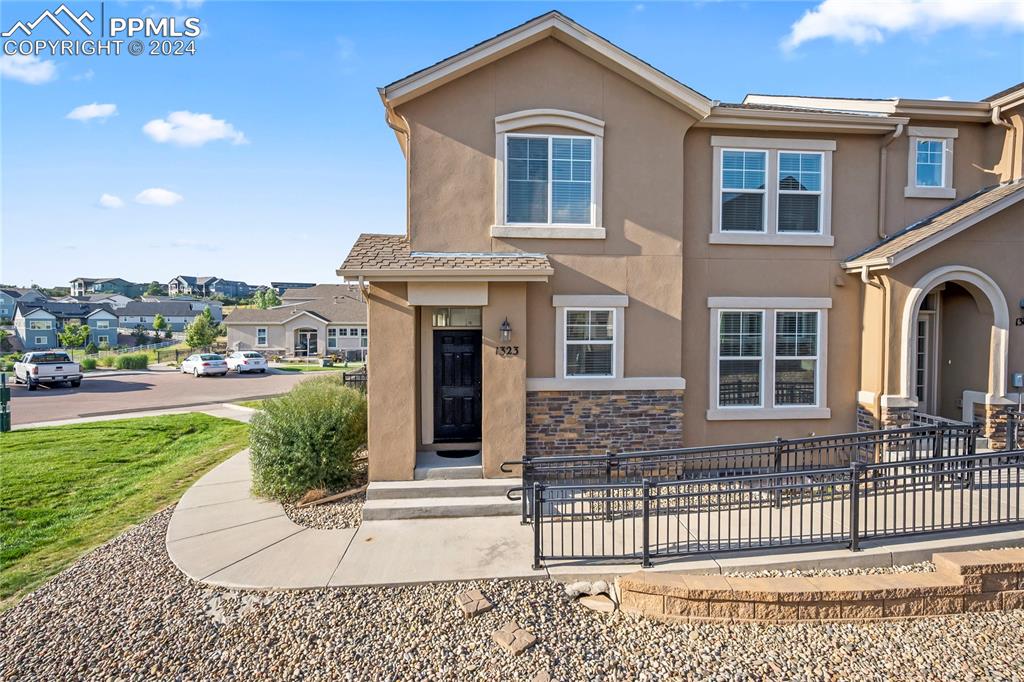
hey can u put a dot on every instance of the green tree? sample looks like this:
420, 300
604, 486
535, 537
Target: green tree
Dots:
159, 323
202, 332
266, 298
74, 335
154, 289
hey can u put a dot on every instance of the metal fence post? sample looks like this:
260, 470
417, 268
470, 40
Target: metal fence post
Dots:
527, 491
608, 482
538, 490
778, 470
647, 523
855, 468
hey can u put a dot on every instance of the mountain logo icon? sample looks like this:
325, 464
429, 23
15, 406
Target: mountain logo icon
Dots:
76, 20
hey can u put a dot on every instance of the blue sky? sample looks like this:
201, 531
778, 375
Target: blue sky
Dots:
296, 160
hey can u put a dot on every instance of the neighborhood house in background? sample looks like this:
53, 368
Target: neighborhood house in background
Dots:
327, 320
589, 238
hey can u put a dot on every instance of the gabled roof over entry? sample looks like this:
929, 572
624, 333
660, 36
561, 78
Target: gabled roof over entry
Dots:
938, 227
560, 27
389, 257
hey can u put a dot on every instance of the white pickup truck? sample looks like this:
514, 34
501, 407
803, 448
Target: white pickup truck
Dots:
47, 367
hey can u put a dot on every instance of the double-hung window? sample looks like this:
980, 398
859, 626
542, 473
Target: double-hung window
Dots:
799, 207
768, 361
930, 163
929, 167
261, 336
332, 338
40, 325
589, 342
772, 191
743, 190
549, 180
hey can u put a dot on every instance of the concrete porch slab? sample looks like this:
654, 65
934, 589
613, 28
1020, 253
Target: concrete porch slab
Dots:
432, 550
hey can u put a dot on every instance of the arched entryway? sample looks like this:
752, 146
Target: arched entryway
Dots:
954, 338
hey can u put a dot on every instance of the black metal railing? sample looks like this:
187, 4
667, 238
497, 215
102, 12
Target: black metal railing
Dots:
648, 520
1014, 429
926, 437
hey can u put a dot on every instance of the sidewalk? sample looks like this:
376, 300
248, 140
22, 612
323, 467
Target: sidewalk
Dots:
224, 410
222, 535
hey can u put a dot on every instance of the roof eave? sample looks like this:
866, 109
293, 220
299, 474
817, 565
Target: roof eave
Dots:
555, 25
448, 275
760, 119
944, 110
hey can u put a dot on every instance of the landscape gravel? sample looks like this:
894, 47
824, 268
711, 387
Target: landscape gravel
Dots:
124, 612
347, 513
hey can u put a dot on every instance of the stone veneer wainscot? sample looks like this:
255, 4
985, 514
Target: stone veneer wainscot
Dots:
596, 422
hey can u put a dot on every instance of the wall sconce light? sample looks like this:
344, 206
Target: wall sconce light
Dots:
506, 331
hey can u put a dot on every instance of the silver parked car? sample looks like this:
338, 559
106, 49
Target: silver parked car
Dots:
247, 361
202, 364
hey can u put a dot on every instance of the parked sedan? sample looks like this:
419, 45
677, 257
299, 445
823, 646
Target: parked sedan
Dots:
247, 361
202, 364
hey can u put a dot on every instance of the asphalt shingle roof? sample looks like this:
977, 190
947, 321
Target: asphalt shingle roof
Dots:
936, 223
339, 310
392, 252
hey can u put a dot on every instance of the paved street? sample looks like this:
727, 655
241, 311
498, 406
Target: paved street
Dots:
143, 391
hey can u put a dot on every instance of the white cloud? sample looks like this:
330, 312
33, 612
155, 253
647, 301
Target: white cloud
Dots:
111, 201
87, 112
157, 196
86, 75
192, 130
862, 22
944, 98
28, 69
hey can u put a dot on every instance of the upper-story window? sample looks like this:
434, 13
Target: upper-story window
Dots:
772, 191
549, 180
930, 163
548, 184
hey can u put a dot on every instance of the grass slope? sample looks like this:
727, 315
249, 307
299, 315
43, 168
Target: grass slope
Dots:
67, 489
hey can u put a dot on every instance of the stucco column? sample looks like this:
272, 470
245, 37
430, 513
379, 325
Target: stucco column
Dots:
504, 378
391, 383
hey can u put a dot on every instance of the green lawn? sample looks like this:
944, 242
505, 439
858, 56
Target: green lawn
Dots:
254, 404
66, 489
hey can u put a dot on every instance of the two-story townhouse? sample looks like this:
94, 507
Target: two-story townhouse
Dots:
83, 286
38, 325
599, 258
280, 287
231, 288
191, 285
11, 296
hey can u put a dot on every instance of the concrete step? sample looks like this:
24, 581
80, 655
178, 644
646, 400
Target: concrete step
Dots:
448, 473
439, 507
430, 488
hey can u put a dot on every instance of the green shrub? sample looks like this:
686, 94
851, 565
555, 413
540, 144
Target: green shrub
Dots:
107, 361
91, 349
103, 346
132, 361
306, 439
89, 364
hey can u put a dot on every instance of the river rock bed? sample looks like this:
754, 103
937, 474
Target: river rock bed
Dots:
124, 612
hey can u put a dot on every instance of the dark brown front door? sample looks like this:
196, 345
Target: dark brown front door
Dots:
457, 385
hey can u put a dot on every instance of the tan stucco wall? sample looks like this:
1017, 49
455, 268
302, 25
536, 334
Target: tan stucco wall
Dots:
503, 422
452, 193
391, 384
995, 247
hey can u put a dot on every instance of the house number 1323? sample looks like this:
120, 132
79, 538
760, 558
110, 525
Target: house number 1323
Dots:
506, 351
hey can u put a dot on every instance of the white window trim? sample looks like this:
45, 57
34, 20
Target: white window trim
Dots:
102, 338
585, 127
566, 343
769, 306
265, 337
772, 147
922, 134
103, 324
41, 341
617, 305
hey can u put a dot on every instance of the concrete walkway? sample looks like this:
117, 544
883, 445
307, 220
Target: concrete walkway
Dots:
222, 535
